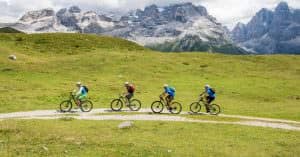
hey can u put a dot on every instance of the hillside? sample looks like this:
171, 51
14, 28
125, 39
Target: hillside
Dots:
9, 30
48, 65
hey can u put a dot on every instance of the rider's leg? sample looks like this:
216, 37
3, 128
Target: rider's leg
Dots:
209, 101
169, 99
80, 99
128, 97
77, 100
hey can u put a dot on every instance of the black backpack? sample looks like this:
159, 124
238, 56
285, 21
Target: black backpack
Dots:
86, 88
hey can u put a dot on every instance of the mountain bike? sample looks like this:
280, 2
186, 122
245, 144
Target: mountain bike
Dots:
66, 106
133, 104
195, 107
158, 106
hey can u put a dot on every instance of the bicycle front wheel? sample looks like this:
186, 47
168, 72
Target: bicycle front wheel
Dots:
86, 106
135, 105
175, 108
157, 107
116, 105
65, 106
215, 109
195, 107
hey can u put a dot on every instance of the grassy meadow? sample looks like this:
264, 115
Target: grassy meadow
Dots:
67, 137
49, 65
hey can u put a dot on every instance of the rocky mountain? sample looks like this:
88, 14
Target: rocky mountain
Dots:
269, 31
65, 20
153, 26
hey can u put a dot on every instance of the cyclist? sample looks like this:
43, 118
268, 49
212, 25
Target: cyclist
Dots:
130, 89
80, 93
210, 96
168, 94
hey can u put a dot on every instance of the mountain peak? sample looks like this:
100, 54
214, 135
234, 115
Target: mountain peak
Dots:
282, 6
271, 31
29, 16
74, 9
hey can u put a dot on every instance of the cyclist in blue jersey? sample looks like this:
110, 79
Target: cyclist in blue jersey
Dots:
210, 96
169, 93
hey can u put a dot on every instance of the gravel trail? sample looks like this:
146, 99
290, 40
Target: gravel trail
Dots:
144, 115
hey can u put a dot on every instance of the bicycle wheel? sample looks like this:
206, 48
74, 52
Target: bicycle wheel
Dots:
86, 106
157, 107
135, 105
175, 108
195, 107
215, 109
65, 106
116, 105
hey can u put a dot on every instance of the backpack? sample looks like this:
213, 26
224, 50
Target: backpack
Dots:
172, 89
213, 90
131, 89
86, 88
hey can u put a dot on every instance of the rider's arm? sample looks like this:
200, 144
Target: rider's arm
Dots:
79, 92
202, 93
163, 94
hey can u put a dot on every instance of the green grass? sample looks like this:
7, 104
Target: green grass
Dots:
103, 138
49, 65
9, 30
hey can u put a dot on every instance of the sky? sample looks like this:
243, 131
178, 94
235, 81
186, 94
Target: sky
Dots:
228, 12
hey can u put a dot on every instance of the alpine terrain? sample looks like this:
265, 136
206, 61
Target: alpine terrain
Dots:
271, 31
178, 27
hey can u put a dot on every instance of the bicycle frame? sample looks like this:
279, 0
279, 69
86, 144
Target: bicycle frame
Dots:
123, 99
163, 101
202, 99
72, 97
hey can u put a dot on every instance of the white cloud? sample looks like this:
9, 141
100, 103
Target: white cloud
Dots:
227, 12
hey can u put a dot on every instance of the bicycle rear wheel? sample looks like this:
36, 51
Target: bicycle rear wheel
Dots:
135, 105
116, 105
86, 106
157, 107
195, 107
175, 108
215, 109
65, 106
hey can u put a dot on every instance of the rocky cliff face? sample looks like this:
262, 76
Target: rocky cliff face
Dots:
149, 27
269, 31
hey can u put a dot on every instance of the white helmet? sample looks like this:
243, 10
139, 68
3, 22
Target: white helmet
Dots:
166, 85
126, 83
207, 86
78, 83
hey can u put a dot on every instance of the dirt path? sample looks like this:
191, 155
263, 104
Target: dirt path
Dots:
144, 115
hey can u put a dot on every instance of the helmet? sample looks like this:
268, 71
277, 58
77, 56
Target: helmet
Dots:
126, 83
166, 85
207, 86
78, 83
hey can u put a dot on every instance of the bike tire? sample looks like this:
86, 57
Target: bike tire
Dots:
215, 109
86, 106
195, 107
66, 106
116, 105
157, 107
175, 108
135, 105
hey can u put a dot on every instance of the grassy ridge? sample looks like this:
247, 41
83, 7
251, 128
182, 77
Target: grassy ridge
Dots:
9, 30
48, 65
103, 138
